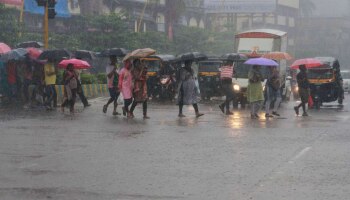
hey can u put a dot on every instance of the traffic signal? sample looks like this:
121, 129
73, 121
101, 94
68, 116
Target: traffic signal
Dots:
51, 3
51, 9
41, 2
52, 13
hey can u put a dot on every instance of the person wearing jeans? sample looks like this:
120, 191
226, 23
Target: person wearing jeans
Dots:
273, 92
50, 82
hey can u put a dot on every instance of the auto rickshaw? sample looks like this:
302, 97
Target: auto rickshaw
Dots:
155, 64
209, 77
326, 82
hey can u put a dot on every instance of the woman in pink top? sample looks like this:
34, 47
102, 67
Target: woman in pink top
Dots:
125, 86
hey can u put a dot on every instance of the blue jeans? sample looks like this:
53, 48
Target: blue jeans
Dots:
50, 92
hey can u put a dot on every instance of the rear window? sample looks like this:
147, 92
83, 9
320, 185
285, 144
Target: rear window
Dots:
209, 66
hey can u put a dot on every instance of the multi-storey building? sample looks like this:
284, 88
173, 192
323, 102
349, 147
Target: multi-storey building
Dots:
242, 15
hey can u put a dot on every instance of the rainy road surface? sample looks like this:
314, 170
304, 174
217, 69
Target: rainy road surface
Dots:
95, 156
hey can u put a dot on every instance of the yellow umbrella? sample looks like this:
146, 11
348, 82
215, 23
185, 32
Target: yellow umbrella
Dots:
139, 53
278, 56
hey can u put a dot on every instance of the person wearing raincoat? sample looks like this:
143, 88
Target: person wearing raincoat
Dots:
255, 91
187, 89
125, 86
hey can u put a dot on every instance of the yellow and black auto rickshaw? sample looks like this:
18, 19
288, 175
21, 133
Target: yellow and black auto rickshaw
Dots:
326, 82
209, 77
161, 81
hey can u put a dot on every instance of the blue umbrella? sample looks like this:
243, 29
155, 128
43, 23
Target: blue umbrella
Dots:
15, 54
261, 62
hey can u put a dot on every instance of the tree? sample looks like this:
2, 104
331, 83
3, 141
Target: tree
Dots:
173, 10
89, 7
111, 4
9, 24
306, 8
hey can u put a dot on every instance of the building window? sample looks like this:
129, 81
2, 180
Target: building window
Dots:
281, 20
291, 22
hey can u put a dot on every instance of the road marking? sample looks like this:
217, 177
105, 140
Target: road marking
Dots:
300, 154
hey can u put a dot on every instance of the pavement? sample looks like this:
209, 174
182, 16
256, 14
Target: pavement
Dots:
96, 156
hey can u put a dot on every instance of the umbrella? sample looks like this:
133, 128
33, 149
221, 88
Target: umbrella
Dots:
34, 53
139, 53
194, 56
78, 64
119, 52
278, 56
57, 54
308, 62
28, 44
81, 54
15, 54
164, 58
4, 48
234, 57
261, 62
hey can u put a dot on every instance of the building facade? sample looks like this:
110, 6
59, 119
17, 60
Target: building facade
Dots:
243, 15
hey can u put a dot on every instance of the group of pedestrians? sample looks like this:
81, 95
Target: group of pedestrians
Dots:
33, 83
131, 82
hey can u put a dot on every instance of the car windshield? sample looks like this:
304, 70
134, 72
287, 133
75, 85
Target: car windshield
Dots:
242, 70
345, 75
320, 73
209, 66
153, 65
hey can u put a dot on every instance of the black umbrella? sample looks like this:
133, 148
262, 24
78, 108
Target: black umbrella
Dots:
56, 54
233, 57
84, 54
193, 56
119, 52
165, 58
28, 44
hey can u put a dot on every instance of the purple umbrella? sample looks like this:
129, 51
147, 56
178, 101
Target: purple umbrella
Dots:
261, 62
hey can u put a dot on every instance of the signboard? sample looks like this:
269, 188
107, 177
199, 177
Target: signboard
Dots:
240, 6
255, 45
61, 8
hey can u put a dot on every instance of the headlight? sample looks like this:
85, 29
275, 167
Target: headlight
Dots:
296, 89
163, 81
236, 88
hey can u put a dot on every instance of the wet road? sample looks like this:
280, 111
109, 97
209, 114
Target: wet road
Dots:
49, 155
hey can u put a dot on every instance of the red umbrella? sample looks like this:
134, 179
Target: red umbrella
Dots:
4, 48
34, 52
308, 62
78, 64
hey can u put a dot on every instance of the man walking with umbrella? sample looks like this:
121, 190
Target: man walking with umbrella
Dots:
226, 82
50, 82
303, 84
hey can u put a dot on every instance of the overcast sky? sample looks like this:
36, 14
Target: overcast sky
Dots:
331, 8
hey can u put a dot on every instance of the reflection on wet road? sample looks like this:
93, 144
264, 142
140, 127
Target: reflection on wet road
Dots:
50, 155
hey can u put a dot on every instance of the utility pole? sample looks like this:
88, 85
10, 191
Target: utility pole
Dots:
141, 17
49, 13
46, 26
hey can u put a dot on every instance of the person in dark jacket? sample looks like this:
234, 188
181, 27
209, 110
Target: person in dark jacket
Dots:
303, 84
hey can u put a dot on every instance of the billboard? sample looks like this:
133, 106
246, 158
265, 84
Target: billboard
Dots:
61, 8
240, 6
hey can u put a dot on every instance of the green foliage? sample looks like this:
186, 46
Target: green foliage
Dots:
88, 79
10, 26
101, 78
59, 77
